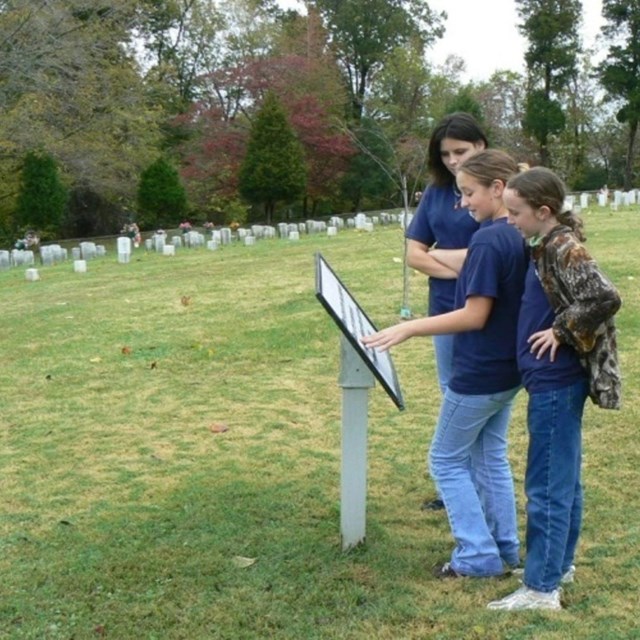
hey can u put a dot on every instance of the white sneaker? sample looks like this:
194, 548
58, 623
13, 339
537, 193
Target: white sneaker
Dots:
525, 598
569, 575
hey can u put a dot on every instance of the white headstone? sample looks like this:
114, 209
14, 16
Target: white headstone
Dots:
584, 200
332, 231
249, 240
124, 249
80, 266
88, 249
168, 250
294, 235
32, 275
225, 235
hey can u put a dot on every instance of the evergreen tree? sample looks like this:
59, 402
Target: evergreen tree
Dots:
42, 198
620, 72
551, 26
273, 169
465, 101
162, 199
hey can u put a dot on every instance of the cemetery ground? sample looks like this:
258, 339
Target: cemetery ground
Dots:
170, 456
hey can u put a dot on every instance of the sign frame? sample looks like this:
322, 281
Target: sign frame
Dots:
354, 324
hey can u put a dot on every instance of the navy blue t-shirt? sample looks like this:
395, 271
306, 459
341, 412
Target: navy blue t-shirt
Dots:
440, 219
536, 314
484, 361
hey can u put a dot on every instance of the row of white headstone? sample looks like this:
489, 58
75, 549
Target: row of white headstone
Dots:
52, 254
620, 199
160, 243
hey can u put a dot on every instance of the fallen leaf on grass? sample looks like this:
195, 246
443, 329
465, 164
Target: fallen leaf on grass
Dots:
126, 351
398, 260
242, 562
154, 365
186, 300
218, 427
96, 359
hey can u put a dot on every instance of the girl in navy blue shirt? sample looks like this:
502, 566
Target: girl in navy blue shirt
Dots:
441, 220
468, 455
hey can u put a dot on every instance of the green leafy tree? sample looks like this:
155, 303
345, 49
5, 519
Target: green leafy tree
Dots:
364, 32
273, 169
162, 199
370, 179
42, 198
68, 87
620, 72
551, 27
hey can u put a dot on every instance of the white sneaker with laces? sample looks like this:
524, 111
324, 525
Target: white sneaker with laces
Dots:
525, 598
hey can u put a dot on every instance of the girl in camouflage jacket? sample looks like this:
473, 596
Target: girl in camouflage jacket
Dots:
566, 351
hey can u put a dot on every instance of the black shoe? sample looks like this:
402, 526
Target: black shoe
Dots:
432, 505
445, 571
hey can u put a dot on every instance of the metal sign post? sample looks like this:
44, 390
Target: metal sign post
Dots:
355, 379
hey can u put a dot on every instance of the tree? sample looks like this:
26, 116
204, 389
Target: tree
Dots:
161, 197
364, 32
69, 88
273, 169
503, 99
42, 198
551, 27
620, 72
369, 180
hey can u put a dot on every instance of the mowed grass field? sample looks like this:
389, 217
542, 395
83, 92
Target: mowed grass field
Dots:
170, 456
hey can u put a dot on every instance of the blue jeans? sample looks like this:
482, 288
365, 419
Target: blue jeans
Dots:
468, 460
552, 484
443, 346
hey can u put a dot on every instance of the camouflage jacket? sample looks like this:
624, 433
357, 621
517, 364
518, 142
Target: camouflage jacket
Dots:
584, 301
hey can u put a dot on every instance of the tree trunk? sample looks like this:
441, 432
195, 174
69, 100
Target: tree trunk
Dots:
628, 165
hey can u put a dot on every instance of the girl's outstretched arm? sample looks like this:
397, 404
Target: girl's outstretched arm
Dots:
471, 317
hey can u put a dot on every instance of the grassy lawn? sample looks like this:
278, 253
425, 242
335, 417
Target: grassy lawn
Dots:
127, 511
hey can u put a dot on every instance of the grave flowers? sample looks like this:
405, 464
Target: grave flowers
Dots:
185, 227
208, 226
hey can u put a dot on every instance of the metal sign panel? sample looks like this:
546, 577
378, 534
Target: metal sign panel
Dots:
354, 324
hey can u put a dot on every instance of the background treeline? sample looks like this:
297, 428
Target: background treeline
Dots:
235, 110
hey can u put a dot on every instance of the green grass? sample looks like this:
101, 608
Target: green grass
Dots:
122, 511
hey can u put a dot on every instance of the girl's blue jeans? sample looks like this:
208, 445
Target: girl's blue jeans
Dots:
443, 346
469, 463
552, 484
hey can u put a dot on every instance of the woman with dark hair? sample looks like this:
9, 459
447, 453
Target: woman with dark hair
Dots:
441, 220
